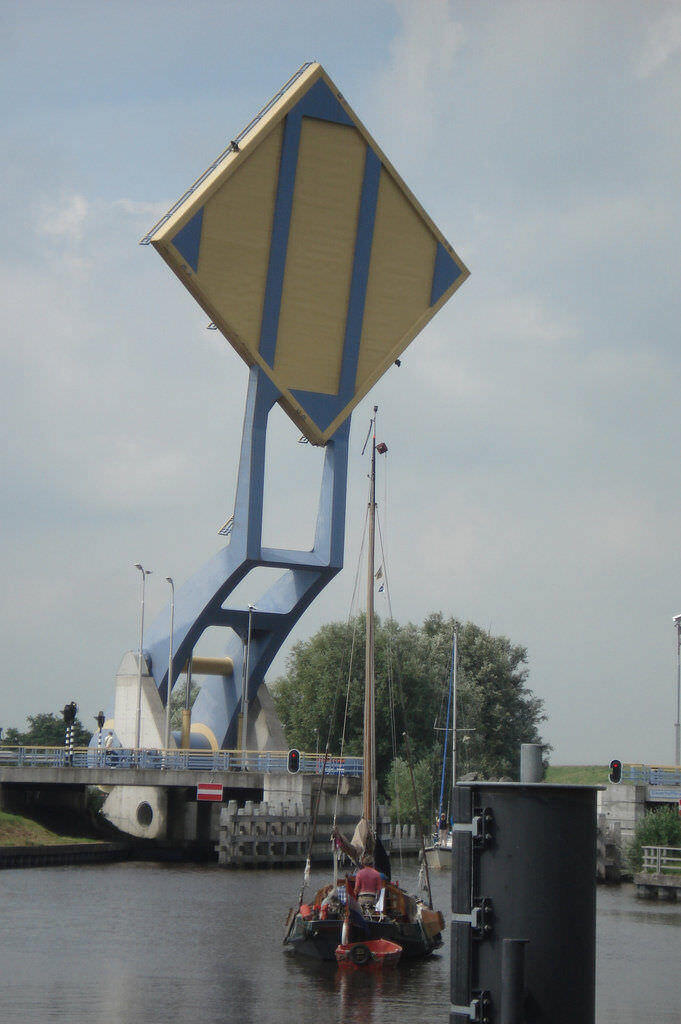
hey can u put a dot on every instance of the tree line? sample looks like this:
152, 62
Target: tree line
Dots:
45, 730
495, 709
320, 699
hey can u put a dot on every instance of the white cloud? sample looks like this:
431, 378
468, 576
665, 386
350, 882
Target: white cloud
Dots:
663, 42
423, 56
63, 219
535, 474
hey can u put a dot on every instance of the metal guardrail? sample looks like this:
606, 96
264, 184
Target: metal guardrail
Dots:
652, 775
662, 860
175, 760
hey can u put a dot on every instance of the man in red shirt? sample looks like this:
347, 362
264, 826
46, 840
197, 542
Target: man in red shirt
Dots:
368, 880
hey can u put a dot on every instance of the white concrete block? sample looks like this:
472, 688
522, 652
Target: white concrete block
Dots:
140, 811
152, 710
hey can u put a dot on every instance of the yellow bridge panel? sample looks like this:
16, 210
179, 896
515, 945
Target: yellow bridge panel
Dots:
310, 254
400, 277
317, 279
235, 242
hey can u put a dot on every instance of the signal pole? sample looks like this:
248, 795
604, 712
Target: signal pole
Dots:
677, 727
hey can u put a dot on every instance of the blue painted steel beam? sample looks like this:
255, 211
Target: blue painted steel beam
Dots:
202, 601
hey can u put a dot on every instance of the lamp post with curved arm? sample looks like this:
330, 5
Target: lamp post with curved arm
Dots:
138, 716
677, 726
244, 690
170, 663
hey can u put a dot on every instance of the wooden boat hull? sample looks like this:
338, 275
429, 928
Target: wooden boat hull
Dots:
319, 939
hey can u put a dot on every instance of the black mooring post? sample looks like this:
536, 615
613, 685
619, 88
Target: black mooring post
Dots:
523, 864
461, 938
513, 981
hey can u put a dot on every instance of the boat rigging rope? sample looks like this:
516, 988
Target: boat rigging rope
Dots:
405, 734
306, 872
391, 685
352, 655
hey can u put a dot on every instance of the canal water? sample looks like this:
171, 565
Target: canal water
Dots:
139, 943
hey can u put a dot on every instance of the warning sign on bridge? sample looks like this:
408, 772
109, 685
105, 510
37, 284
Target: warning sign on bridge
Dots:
209, 791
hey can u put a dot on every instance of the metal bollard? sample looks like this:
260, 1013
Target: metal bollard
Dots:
523, 863
513, 981
531, 767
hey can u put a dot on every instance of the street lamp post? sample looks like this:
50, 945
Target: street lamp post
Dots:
170, 668
187, 709
455, 655
138, 717
677, 727
244, 688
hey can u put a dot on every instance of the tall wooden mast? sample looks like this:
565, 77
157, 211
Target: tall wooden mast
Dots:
369, 749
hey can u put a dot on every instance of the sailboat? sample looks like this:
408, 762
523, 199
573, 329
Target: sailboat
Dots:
438, 855
341, 922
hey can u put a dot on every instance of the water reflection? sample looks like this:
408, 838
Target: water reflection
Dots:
131, 943
378, 994
361, 991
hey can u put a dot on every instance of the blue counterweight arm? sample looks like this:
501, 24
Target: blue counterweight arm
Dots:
202, 601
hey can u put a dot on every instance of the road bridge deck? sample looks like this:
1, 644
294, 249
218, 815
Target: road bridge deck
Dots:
67, 776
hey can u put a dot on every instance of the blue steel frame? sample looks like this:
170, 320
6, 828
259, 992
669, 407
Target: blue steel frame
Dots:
318, 103
202, 601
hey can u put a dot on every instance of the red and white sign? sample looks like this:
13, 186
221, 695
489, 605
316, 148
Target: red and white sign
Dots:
209, 791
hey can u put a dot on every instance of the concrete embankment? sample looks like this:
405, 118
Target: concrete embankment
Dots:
68, 853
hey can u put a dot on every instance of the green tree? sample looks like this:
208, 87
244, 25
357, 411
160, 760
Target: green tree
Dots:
660, 827
494, 704
46, 730
177, 702
400, 793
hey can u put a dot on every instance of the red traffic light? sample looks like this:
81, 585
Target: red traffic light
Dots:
615, 771
70, 712
293, 761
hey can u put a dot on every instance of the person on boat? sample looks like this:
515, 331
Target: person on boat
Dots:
108, 745
363, 842
442, 829
368, 881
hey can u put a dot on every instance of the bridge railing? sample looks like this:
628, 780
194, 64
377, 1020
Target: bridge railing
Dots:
175, 760
652, 774
662, 860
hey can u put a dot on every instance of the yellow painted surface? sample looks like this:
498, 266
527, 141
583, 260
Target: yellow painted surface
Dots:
202, 730
400, 280
235, 240
211, 666
320, 256
233, 161
186, 728
238, 199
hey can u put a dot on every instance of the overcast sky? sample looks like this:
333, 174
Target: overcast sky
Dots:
534, 469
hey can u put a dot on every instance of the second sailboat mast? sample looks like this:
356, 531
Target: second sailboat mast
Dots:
369, 751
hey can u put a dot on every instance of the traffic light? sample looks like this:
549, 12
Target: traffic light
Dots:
615, 771
70, 712
293, 762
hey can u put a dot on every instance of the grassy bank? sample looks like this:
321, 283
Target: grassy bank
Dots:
18, 831
578, 774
